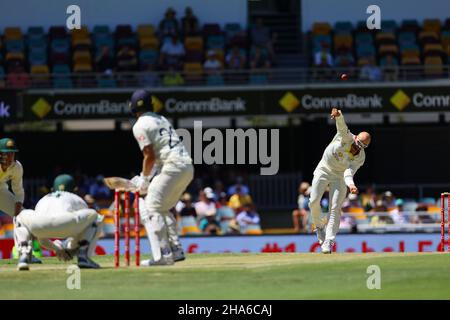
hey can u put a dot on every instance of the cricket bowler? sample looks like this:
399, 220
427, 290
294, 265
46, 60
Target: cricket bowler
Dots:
166, 172
339, 163
61, 215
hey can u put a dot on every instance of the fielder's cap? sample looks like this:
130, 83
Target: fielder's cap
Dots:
64, 182
8, 145
399, 202
141, 101
388, 194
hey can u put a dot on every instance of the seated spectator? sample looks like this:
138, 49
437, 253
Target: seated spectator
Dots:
259, 60
262, 37
189, 23
126, 59
206, 203
212, 64
169, 25
99, 190
235, 59
104, 61
239, 183
301, 214
390, 69
381, 217
389, 200
239, 200
148, 78
224, 213
172, 54
323, 62
348, 222
173, 78
368, 199
186, 216
397, 213
248, 219
370, 71
422, 215
209, 224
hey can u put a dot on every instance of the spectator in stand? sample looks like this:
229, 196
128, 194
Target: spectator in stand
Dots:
225, 214
104, 61
185, 212
235, 59
368, 199
90, 201
99, 190
248, 219
173, 78
323, 62
301, 214
169, 25
239, 184
389, 200
259, 60
422, 215
206, 203
370, 71
126, 59
172, 54
212, 64
397, 213
262, 37
239, 200
381, 217
189, 23
209, 224
390, 69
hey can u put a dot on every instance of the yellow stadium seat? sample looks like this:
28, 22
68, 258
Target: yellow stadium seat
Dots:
13, 33
148, 42
146, 30
357, 213
82, 67
193, 43
14, 55
386, 49
254, 232
219, 53
433, 25
190, 230
434, 209
385, 37
82, 33
413, 60
83, 57
343, 41
39, 69
435, 49
428, 35
105, 212
193, 67
433, 66
81, 41
321, 28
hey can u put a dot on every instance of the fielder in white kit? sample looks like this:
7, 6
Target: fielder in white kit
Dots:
166, 172
62, 215
339, 163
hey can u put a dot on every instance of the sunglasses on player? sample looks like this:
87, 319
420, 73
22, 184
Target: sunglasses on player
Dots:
360, 144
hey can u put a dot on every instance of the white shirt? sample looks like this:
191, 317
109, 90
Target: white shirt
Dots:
60, 201
14, 173
337, 158
202, 208
155, 130
212, 64
173, 49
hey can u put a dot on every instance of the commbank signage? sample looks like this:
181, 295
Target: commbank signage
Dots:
241, 102
8, 105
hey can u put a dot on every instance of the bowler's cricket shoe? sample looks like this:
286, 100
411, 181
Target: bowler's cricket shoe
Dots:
327, 246
86, 263
178, 254
165, 261
320, 234
23, 262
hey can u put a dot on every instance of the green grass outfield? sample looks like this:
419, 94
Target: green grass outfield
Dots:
241, 276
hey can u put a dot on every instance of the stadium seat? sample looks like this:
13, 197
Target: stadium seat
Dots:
321, 28
57, 32
15, 45
149, 43
82, 67
410, 60
101, 30
385, 38
35, 33
37, 58
389, 26
343, 41
107, 82
214, 80
406, 38
433, 50
211, 29
433, 67
426, 37
365, 50
82, 33
231, 30
190, 230
148, 57
82, 57
383, 61
60, 46
345, 27
215, 42
193, 72
38, 45
258, 78
433, 25
123, 31
146, 30
194, 56
253, 232
193, 43
411, 25
363, 38
15, 56
40, 76
126, 41
13, 33
388, 49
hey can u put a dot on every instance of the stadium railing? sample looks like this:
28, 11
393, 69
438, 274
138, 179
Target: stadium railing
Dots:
274, 76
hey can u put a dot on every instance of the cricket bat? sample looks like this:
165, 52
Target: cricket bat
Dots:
118, 183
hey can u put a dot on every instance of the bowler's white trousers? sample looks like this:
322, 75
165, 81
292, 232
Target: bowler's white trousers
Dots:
338, 190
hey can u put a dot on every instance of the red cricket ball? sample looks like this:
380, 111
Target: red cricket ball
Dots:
344, 76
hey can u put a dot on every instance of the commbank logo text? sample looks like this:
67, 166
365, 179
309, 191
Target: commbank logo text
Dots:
4, 110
